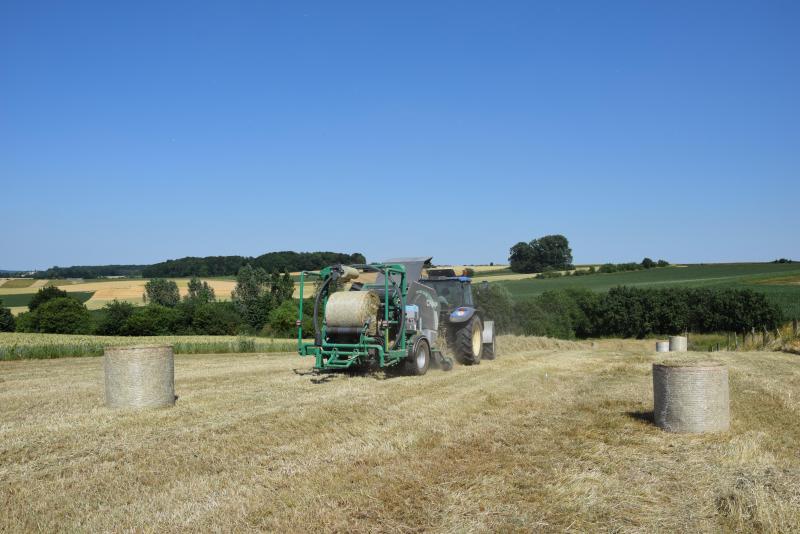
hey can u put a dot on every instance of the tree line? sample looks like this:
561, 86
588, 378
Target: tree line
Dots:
606, 268
208, 266
90, 271
261, 303
629, 312
230, 265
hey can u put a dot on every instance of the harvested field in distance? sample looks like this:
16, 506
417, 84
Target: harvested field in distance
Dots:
106, 290
131, 290
538, 440
16, 282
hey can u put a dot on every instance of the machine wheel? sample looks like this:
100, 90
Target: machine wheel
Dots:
469, 342
419, 357
489, 349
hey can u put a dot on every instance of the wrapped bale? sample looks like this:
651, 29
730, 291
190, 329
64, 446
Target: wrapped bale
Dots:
139, 377
349, 273
352, 309
662, 346
691, 396
678, 344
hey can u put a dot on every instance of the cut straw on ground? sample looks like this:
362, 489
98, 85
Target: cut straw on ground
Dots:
545, 438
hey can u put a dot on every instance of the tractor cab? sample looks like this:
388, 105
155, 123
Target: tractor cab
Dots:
452, 292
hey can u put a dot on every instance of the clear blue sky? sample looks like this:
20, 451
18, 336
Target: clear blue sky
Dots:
152, 130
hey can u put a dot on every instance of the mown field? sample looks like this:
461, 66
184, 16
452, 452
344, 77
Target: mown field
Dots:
551, 440
780, 282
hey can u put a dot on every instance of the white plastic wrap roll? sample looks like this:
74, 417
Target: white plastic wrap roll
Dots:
678, 344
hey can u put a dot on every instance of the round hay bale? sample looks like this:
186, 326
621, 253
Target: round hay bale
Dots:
662, 346
139, 377
352, 308
678, 344
691, 396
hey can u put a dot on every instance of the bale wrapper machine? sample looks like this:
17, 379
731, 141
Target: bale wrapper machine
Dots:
391, 322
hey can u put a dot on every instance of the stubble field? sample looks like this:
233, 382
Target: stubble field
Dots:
552, 436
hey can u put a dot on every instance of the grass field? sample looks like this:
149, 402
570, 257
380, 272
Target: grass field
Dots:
780, 282
16, 346
538, 440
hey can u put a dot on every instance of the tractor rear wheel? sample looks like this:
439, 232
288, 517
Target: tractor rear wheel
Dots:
469, 342
419, 357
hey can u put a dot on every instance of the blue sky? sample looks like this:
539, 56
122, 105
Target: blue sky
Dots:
145, 131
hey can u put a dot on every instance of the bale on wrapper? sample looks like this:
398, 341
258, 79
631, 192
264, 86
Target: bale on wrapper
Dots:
140, 376
691, 396
678, 344
352, 309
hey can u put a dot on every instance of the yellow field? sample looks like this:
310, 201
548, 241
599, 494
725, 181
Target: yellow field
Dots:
550, 440
501, 277
22, 290
515, 276
130, 290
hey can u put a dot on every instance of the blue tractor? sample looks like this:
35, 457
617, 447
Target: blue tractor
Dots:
469, 334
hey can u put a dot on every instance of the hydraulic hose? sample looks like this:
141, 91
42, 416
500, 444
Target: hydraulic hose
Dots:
317, 332
402, 318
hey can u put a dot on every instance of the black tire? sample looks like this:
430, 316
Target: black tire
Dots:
466, 345
489, 349
418, 360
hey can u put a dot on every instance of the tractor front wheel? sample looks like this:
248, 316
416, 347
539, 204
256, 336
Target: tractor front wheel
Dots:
469, 342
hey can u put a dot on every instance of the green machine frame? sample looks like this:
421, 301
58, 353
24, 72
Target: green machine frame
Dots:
335, 355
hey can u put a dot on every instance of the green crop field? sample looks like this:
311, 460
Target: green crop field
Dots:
23, 299
779, 281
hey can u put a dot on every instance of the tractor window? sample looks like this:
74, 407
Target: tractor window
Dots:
451, 293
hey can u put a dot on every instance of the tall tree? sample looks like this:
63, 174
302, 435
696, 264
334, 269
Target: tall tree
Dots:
257, 293
7, 321
45, 294
200, 291
521, 258
550, 252
162, 291
252, 295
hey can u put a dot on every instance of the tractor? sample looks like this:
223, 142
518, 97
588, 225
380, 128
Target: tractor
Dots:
389, 315
468, 334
